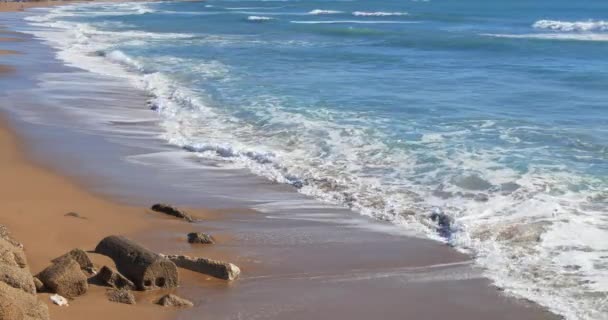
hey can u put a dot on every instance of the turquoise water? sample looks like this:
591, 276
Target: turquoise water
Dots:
477, 123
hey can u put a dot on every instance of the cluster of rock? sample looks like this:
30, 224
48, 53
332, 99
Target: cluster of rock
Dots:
69, 276
18, 298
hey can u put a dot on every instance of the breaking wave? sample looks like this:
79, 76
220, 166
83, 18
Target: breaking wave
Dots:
567, 26
378, 14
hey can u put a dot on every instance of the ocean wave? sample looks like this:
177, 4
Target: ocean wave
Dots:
259, 18
567, 26
321, 12
378, 14
553, 36
349, 21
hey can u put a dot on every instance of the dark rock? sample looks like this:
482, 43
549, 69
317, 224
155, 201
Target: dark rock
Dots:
172, 300
65, 278
145, 268
121, 296
218, 269
114, 279
444, 223
199, 237
74, 215
81, 257
17, 278
172, 211
17, 304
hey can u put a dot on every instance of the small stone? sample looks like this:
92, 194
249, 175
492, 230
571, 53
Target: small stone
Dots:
74, 215
199, 237
218, 269
172, 300
39, 285
172, 211
121, 296
114, 279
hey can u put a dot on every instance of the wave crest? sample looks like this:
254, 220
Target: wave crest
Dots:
378, 14
568, 26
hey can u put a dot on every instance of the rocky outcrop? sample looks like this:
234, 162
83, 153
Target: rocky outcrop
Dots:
17, 289
65, 277
199, 237
218, 269
18, 304
121, 296
81, 257
172, 300
16, 277
39, 285
146, 269
114, 279
172, 211
11, 254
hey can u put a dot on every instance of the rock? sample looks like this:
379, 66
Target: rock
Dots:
39, 285
218, 269
59, 300
65, 277
121, 296
74, 215
114, 279
17, 278
443, 221
199, 237
81, 257
172, 211
6, 235
145, 268
18, 304
12, 255
172, 300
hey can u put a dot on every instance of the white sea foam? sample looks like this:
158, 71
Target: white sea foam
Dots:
554, 36
321, 12
259, 18
378, 14
538, 233
568, 26
350, 21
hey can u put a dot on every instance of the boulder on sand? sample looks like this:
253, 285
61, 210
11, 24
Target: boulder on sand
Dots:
172, 211
199, 237
114, 279
64, 277
121, 296
17, 304
172, 300
79, 256
218, 269
145, 268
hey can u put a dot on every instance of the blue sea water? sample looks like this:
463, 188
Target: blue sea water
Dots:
483, 124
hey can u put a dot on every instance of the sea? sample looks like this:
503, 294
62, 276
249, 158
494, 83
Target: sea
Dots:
479, 124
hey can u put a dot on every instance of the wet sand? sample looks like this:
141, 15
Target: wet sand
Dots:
317, 262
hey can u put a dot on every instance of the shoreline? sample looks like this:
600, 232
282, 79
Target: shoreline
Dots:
57, 195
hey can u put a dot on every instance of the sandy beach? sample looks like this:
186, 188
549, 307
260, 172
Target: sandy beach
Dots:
292, 269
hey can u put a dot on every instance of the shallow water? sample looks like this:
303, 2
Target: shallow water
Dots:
479, 124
